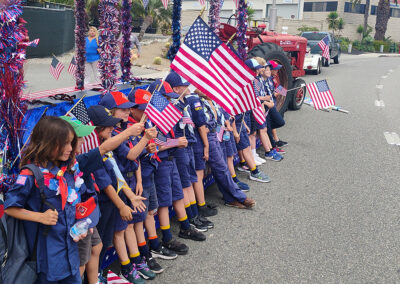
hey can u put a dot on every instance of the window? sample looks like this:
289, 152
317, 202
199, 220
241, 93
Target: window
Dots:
357, 8
373, 9
320, 6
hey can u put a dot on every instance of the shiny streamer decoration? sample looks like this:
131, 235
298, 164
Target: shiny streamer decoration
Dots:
80, 43
108, 41
213, 15
126, 28
13, 39
176, 29
242, 28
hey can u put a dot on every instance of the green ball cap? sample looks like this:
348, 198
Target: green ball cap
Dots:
81, 130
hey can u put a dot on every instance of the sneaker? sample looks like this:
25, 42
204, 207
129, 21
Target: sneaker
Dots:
257, 162
144, 271
236, 204
212, 205
281, 143
243, 186
260, 177
131, 276
249, 203
198, 225
274, 156
163, 253
206, 222
259, 159
192, 234
243, 168
176, 247
207, 211
279, 150
154, 266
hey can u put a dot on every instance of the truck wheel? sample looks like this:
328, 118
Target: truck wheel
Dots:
297, 96
336, 59
271, 51
318, 70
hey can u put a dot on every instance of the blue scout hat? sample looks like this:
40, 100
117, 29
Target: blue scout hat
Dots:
115, 100
139, 98
175, 80
101, 116
88, 209
253, 64
165, 89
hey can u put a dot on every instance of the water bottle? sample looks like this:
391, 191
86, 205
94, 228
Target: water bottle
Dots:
227, 136
80, 228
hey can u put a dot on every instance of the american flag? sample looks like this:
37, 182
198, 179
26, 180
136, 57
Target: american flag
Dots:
165, 3
56, 67
168, 143
220, 134
80, 113
33, 43
324, 45
187, 120
207, 63
236, 3
320, 94
72, 67
162, 113
113, 278
281, 90
202, 2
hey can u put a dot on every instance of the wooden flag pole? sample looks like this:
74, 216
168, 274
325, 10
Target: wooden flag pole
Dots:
202, 11
68, 112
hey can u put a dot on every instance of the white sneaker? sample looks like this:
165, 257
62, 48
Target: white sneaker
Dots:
261, 160
257, 162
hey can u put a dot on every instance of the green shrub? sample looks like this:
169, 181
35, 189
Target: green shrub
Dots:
378, 43
305, 28
356, 44
157, 60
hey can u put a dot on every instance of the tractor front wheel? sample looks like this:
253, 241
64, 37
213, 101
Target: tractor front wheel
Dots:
297, 95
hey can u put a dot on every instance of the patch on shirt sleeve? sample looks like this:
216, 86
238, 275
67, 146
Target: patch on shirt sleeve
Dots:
21, 180
197, 104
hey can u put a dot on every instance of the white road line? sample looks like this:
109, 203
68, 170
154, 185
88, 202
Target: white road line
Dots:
379, 103
384, 77
390, 71
379, 86
392, 138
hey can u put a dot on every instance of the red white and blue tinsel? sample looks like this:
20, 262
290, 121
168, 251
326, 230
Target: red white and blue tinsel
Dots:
176, 29
108, 41
80, 48
126, 28
12, 55
213, 15
241, 29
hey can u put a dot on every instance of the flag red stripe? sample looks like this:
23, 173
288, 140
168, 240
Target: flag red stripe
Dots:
155, 116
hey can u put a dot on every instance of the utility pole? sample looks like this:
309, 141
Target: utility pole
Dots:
272, 16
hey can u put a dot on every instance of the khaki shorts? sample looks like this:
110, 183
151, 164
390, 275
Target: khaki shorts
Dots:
85, 246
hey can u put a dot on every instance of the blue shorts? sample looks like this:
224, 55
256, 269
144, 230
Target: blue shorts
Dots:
255, 126
168, 183
198, 151
185, 163
149, 192
244, 141
107, 217
230, 146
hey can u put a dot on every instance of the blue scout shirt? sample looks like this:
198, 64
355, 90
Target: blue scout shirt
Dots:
212, 121
197, 111
104, 177
184, 129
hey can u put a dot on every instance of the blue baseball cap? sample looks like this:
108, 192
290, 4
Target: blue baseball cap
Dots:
115, 100
101, 116
274, 65
175, 80
165, 89
253, 64
139, 98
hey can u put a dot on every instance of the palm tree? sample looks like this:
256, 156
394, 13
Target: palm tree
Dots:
382, 18
366, 14
332, 20
340, 25
154, 13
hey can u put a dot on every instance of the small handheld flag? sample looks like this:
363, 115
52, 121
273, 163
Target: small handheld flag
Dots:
56, 67
33, 43
72, 67
281, 90
320, 94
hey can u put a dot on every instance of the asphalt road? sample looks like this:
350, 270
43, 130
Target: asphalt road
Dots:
331, 213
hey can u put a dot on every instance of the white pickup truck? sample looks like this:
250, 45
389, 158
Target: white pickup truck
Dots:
312, 62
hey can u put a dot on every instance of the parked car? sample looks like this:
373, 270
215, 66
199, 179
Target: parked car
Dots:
313, 62
334, 46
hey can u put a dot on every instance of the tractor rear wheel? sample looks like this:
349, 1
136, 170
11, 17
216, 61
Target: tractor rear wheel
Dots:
271, 51
298, 94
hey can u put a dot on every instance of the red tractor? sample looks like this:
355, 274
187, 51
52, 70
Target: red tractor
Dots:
287, 50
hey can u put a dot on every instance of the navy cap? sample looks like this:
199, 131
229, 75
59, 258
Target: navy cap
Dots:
175, 80
253, 64
274, 65
88, 209
115, 100
101, 116
165, 89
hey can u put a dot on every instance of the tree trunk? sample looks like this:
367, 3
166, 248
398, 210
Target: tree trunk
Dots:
382, 18
366, 14
148, 20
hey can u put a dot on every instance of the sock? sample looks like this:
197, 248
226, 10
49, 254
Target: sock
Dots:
242, 163
166, 232
135, 258
189, 212
154, 242
201, 204
195, 210
254, 170
126, 266
185, 225
143, 249
235, 179
254, 152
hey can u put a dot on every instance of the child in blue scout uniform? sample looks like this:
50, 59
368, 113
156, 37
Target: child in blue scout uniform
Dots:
52, 148
200, 147
185, 156
231, 193
126, 158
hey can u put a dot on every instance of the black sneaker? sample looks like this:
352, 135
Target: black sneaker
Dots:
154, 266
281, 143
206, 222
176, 246
207, 211
198, 225
164, 253
192, 234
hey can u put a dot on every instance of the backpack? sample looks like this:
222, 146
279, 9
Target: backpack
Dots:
17, 266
